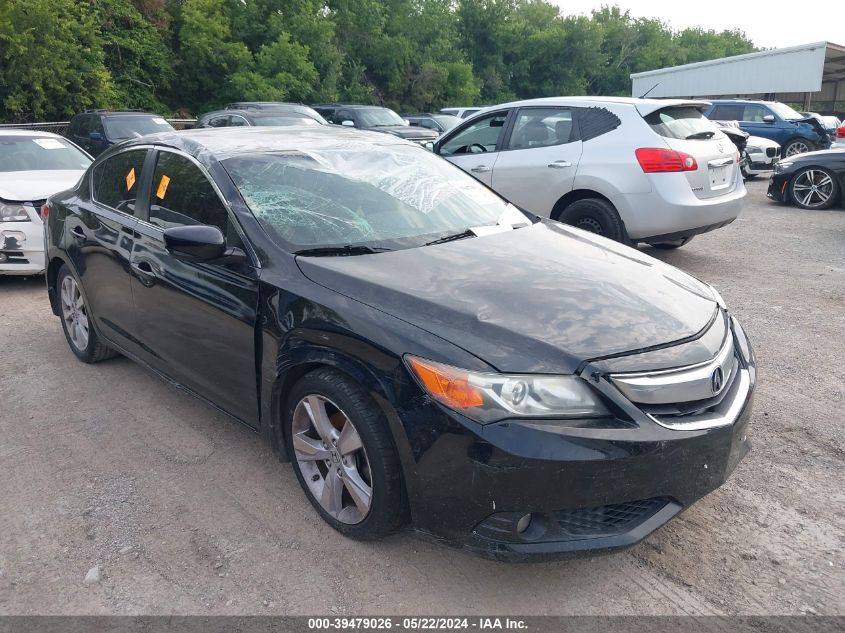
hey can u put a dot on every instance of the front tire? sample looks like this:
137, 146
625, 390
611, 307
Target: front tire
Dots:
343, 456
814, 188
77, 321
797, 146
597, 216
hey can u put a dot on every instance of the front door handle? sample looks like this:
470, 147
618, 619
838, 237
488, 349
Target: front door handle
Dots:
144, 271
480, 169
78, 232
560, 164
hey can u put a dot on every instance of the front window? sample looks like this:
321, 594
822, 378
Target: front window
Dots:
378, 117
134, 126
39, 153
481, 136
345, 196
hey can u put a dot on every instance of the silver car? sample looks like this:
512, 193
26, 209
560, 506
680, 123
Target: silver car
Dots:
633, 170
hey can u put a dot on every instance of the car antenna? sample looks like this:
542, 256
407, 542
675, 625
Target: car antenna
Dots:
643, 95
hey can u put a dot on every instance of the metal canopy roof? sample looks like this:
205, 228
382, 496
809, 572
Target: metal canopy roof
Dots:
797, 69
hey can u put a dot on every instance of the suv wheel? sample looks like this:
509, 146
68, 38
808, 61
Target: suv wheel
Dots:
814, 188
343, 456
76, 321
595, 215
797, 146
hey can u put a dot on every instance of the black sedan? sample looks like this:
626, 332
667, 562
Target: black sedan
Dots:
256, 118
811, 181
420, 350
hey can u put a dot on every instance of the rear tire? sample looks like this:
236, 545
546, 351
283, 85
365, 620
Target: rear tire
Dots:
597, 216
365, 474
77, 321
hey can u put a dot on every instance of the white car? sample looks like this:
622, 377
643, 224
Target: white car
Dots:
33, 166
462, 113
761, 156
635, 170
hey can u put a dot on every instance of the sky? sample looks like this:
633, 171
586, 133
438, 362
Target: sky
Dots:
768, 23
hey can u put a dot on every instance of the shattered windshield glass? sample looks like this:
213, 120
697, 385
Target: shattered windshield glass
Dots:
395, 197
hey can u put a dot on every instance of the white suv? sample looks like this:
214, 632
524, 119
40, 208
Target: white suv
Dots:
633, 170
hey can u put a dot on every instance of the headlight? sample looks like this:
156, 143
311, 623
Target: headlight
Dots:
752, 149
782, 166
489, 397
13, 213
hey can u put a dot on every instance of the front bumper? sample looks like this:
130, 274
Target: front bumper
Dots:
22, 248
762, 162
779, 187
587, 486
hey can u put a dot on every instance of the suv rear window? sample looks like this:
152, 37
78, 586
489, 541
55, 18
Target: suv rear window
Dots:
681, 122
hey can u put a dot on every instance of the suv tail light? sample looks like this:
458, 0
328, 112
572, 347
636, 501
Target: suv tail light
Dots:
45, 211
840, 131
656, 160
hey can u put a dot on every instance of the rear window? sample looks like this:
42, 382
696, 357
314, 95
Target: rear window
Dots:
134, 126
681, 123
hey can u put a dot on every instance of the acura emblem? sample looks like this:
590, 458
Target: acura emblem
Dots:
716, 380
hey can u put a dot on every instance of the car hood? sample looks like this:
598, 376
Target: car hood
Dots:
540, 299
759, 141
406, 131
22, 186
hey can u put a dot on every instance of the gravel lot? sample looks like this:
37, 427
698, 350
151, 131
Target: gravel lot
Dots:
185, 511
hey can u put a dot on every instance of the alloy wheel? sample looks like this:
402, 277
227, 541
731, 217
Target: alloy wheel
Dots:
797, 147
813, 188
331, 457
74, 313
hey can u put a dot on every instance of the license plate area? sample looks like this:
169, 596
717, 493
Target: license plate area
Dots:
719, 177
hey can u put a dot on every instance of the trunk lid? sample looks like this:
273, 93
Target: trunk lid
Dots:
684, 128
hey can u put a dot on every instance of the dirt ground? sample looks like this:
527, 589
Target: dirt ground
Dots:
186, 512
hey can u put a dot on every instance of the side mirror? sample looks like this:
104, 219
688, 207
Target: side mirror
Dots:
95, 136
348, 123
199, 242
769, 118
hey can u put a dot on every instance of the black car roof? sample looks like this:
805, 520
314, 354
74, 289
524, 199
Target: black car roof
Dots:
210, 144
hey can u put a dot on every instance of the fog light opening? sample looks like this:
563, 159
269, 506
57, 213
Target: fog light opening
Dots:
523, 523
2, 257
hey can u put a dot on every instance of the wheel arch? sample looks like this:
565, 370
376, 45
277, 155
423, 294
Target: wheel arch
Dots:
574, 196
53, 266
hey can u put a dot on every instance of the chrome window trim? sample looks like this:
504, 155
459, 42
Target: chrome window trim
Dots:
683, 384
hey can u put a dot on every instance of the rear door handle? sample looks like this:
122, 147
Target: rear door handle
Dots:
560, 164
480, 169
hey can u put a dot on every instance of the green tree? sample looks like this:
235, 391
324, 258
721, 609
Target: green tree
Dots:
51, 60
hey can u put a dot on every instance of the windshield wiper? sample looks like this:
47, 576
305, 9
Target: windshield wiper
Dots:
707, 134
348, 249
451, 238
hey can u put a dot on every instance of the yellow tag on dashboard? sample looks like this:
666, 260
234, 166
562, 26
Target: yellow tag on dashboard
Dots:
130, 179
162, 187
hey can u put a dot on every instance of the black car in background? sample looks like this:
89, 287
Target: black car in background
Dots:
96, 130
376, 119
296, 109
811, 181
254, 118
422, 351
437, 122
